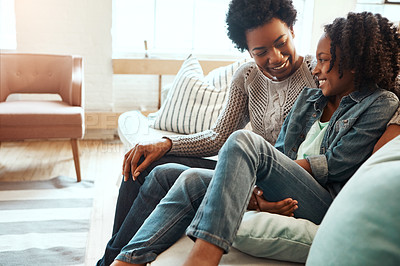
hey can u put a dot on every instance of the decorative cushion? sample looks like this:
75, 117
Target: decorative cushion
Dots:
362, 226
194, 102
274, 236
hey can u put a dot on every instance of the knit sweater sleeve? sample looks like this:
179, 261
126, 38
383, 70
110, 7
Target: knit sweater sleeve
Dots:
234, 116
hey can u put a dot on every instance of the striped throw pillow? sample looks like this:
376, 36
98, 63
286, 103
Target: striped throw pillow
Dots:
194, 102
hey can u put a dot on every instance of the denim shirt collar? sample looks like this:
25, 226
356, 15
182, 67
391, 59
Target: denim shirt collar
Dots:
356, 96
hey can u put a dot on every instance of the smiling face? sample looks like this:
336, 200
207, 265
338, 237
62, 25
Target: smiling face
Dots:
329, 82
272, 48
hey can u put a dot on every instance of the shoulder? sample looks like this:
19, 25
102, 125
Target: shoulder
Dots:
386, 98
381, 93
245, 70
245, 74
381, 103
310, 93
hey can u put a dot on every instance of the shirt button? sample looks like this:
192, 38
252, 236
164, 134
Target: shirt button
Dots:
302, 136
294, 149
314, 115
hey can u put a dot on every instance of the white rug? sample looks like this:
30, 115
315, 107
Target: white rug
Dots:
44, 222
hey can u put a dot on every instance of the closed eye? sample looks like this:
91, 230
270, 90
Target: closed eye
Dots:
262, 53
281, 44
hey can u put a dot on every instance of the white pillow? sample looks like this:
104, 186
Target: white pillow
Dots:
194, 102
273, 236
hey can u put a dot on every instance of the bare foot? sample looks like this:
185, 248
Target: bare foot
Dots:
283, 207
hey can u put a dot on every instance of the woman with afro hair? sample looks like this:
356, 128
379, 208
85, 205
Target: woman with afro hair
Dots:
330, 131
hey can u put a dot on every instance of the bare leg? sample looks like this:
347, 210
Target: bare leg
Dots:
204, 253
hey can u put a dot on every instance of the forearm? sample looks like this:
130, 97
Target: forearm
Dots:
305, 165
390, 133
207, 143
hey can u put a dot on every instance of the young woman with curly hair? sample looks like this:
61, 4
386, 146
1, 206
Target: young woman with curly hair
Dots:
327, 135
262, 93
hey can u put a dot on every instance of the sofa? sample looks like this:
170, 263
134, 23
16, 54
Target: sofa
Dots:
270, 239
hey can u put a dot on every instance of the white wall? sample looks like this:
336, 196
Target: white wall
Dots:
80, 27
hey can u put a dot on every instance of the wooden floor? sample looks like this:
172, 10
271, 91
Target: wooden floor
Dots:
100, 161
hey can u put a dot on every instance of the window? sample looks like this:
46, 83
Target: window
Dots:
388, 9
8, 39
178, 27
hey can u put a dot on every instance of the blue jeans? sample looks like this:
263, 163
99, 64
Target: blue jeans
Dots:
210, 204
137, 199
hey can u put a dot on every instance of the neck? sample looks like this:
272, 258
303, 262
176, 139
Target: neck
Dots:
330, 108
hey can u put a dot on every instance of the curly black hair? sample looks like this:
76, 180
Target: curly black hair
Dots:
244, 15
370, 46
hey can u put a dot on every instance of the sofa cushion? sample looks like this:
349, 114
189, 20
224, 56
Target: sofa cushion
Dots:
40, 119
133, 127
177, 254
194, 102
274, 236
362, 225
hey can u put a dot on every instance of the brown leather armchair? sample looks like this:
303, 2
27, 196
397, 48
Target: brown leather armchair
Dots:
35, 119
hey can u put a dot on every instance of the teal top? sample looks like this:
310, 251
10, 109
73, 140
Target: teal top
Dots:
312, 144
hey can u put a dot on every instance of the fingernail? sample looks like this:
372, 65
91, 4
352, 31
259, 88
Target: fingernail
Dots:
258, 192
137, 174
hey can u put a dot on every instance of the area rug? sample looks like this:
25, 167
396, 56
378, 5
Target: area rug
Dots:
45, 222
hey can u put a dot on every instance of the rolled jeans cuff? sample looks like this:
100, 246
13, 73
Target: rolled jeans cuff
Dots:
128, 257
319, 168
210, 238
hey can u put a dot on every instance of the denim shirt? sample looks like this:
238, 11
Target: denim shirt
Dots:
352, 132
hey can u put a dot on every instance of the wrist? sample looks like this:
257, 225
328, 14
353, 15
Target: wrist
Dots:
168, 144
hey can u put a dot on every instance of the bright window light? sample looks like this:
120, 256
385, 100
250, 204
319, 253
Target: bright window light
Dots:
176, 28
388, 9
8, 39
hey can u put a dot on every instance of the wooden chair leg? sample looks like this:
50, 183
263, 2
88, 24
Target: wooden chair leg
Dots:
75, 152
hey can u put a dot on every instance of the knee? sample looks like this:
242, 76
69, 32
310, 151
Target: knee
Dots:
195, 179
166, 174
239, 139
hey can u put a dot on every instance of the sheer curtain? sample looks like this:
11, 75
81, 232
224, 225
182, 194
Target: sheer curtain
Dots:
8, 39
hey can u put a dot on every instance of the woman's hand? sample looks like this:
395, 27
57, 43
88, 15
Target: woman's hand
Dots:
283, 207
150, 150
